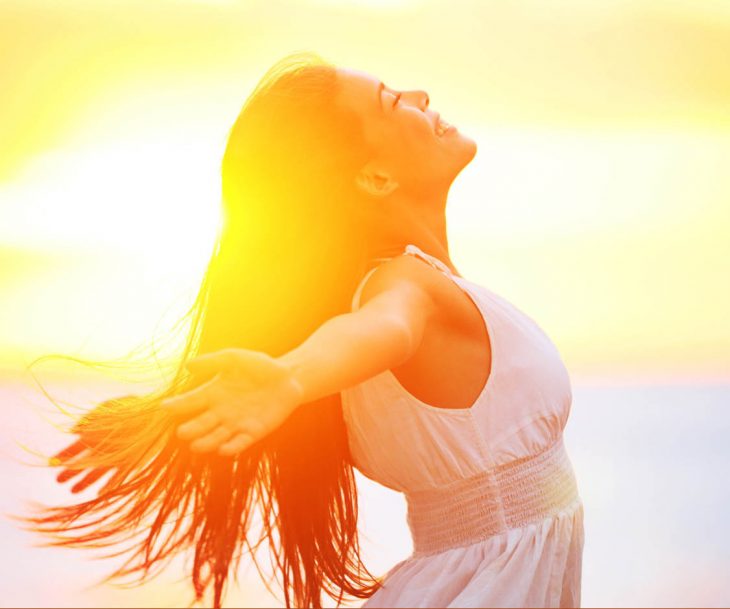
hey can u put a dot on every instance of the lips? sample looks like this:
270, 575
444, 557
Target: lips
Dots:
441, 127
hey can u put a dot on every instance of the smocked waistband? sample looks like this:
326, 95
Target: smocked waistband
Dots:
504, 497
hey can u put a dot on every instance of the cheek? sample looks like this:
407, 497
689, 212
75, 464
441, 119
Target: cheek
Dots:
418, 131
415, 151
427, 133
425, 144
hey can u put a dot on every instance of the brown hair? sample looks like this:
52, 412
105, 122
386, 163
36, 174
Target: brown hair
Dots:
288, 255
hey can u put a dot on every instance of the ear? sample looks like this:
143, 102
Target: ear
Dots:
375, 182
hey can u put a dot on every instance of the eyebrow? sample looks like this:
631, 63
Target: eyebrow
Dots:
381, 86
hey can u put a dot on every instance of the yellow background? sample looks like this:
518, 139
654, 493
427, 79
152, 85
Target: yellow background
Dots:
597, 203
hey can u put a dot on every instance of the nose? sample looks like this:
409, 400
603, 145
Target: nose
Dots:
420, 99
427, 100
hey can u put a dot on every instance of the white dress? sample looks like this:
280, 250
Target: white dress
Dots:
493, 505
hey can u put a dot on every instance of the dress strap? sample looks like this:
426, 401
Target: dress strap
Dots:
355, 304
356, 296
409, 249
432, 260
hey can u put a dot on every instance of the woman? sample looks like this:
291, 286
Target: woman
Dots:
332, 330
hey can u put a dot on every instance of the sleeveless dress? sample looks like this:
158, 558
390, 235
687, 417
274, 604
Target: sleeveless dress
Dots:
492, 500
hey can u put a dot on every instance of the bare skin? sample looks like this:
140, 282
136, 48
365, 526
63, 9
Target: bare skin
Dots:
413, 320
409, 179
409, 182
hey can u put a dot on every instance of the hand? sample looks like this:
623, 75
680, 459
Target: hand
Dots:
248, 395
62, 459
89, 444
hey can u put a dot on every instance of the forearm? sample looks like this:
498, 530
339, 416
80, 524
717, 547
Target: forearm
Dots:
346, 350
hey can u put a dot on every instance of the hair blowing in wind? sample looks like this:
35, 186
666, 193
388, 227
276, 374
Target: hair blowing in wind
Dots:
287, 257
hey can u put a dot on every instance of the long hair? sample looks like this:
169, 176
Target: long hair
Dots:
288, 255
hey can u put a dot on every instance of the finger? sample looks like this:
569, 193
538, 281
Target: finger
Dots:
67, 474
66, 453
89, 479
235, 445
212, 362
212, 440
190, 401
199, 426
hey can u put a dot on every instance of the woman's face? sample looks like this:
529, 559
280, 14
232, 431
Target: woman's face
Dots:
413, 151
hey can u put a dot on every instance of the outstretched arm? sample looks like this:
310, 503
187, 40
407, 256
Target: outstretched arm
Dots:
249, 393
350, 348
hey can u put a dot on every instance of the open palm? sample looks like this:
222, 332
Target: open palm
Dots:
246, 396
95, 441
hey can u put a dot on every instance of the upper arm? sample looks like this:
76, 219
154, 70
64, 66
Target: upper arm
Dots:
402, 292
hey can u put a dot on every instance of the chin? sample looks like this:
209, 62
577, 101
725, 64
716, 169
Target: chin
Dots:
469, 146
466, 151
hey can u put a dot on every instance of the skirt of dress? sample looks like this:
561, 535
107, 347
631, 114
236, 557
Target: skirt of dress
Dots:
538, 565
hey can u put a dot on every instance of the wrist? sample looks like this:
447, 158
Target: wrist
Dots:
295, 382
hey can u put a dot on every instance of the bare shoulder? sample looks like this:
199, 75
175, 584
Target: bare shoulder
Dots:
410, 279
406, 276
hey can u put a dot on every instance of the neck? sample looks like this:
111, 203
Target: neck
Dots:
411, 220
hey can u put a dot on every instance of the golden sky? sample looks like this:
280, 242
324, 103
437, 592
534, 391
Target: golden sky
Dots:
597, 202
